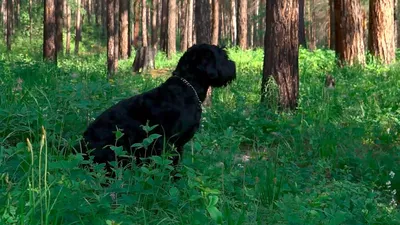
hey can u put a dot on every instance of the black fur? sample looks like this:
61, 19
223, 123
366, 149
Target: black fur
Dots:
173, 106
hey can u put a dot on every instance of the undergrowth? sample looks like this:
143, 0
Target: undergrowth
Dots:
333, 161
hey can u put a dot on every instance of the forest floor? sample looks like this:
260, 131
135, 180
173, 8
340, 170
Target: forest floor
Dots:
335, 160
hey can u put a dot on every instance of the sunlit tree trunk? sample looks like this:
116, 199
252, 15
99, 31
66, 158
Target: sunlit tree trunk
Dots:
123, 29
111, 66
190, 23
154, 28
203, 21
144, 24
137, 23
233, 23
172, 11
381, 39
215, 22
242, 24
349, 32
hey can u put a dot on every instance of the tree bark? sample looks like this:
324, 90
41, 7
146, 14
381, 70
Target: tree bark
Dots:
49, 32
203, 21
256, 23
68, 30
215, 22
123, 29
242, 31
164, 25
331, 30
111, 66
312, 42
233, 23
9, 22
154, 28
381, 39
349, 32
281, 51
184, 26
190, 24
30, 21
172, 13
116, 30
302, 32
144, 24
60, 16
78, 26
137, 23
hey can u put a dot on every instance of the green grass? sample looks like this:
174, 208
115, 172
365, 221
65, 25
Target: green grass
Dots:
327, 163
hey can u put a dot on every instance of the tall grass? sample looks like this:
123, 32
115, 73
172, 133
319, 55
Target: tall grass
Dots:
326, 163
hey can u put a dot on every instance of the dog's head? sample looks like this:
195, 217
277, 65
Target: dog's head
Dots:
207, 64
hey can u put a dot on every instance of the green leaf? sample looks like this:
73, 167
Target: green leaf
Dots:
215, 214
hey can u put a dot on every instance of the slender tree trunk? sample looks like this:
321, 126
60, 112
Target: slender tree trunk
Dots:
302, 32
215, 22
4, 10
281, 51
116, 35
233, 23
203, 21
331, 25
381, 39
256, 24
242, 31
311, 28
49, 31
190, 23
349, 33
104, 17
9, 23
144, 24
89, 11
172, 11
17, 12
30, 21
164, 25
60, 16
78, 26
68, 29
184, 26
111, 66
154, 28
398, 24
124, 26
137, 23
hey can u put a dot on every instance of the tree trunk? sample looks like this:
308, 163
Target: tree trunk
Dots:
242, 31
331, 25
124, 27
281, 51
68, 29
312, 42
30, 21
190, 24
381, 30
184, 26
233, 23
203, 21
256, 23
17, 12
172, 11
111, 66
60, 16
164, 25
137, 23
154, 28
89, 11
349, 33
302, 32
78, 26
9, 22
144, 60
215, 22
116, 35
144, 24
130, 26
398, 24
49, 31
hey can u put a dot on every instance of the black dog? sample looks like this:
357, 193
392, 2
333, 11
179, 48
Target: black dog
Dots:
175, 106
